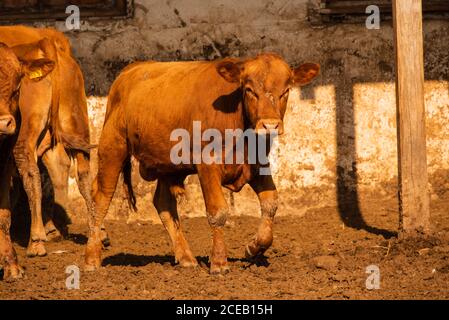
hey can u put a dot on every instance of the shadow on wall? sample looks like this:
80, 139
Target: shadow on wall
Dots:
375, 66
346, 163
335, 72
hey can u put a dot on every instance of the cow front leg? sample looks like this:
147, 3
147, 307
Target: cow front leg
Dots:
34, 105
8, 257
217, 213
57, 162
268, 197
165, 202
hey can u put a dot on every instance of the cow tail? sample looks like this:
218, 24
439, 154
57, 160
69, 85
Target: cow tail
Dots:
54, 111
70, 141
128, 185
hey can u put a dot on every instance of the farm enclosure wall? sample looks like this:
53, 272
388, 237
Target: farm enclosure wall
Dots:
340, 141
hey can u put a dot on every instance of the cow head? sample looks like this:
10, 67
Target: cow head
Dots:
31, 61
266, 81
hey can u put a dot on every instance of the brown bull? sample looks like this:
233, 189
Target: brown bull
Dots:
19, 64
54, 125
149, 101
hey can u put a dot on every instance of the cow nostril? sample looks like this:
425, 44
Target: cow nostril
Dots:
7, 124
271, 126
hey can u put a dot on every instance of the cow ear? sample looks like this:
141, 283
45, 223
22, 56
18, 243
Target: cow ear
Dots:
230, 70
37, 69
38, 59
305, 73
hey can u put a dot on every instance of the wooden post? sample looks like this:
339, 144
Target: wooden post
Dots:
412, 159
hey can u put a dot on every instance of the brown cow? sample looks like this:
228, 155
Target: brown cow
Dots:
18, 65
54, 126
148, 101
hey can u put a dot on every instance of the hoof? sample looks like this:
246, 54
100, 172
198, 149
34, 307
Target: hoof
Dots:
12, 273
105, 241
248, 253
91, 268
92, 263
254, 253
54, 235
185, 258
36, 249
219, 269
188, 263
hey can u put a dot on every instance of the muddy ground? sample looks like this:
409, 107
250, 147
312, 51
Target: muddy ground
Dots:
313, 257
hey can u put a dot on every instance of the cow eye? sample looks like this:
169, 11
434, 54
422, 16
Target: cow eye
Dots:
251, 93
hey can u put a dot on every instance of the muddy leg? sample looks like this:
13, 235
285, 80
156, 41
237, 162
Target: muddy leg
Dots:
84, 181
268, 198
8, 257
57, 162
112, 153
34, 104
30, 175
165, 203
217, 213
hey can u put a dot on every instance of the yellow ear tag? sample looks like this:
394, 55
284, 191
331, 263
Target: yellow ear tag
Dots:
36, 74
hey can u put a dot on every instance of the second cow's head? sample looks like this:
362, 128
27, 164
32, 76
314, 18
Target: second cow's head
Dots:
33, 61
266, 82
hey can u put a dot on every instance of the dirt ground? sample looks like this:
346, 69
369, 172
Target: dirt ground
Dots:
313, 257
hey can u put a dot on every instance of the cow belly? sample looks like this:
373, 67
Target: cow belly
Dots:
153, 152
154, 172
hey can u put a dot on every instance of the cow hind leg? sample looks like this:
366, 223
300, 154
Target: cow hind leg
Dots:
57, 162
34, 104
84, 181
165, 203
29, 172
112, 153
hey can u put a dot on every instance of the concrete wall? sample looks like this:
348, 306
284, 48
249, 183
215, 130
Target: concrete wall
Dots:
340, 141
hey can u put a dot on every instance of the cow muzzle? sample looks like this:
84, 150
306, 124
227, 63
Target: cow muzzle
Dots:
270, 126
7, 125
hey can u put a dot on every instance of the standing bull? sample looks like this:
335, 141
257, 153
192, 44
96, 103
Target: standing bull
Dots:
149, 101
